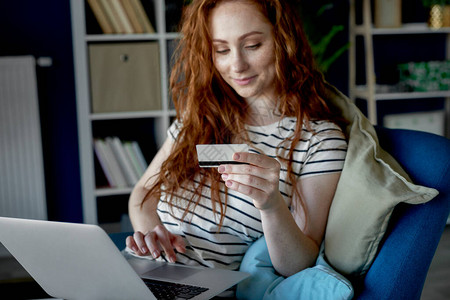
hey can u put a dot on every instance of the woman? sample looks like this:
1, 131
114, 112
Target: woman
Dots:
244, 74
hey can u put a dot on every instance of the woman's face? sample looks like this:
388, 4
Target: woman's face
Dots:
243, 49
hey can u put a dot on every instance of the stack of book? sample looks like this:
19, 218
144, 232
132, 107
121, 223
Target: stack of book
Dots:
121, 16
122, 162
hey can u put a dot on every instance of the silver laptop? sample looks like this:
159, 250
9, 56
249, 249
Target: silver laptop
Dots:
80, 261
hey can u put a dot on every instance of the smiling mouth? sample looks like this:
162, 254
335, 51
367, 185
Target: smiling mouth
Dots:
243, 81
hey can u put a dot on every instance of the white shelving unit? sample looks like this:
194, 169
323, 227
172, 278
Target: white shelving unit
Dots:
161, 118
368, 32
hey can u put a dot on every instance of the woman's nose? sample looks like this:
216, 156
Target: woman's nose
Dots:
239, 63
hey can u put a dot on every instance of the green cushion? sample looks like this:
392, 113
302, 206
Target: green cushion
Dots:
372, 183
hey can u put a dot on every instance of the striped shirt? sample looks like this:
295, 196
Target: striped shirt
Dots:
321, 150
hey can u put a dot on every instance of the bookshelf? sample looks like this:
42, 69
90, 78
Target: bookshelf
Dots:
147, 127
370, 91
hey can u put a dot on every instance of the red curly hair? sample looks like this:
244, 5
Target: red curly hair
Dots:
211, 112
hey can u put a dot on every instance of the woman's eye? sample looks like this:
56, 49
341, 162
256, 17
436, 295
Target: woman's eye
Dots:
222, 51
254, 46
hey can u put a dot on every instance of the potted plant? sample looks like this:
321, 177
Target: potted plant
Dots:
439, 15
429, 3
325, 45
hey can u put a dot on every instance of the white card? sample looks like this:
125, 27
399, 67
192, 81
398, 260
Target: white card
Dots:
213, 155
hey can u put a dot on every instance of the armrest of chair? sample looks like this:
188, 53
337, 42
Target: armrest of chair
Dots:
400, 268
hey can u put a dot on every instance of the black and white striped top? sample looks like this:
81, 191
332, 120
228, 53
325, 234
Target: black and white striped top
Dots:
321, 150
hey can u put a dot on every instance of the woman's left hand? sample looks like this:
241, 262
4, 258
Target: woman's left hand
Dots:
258, 178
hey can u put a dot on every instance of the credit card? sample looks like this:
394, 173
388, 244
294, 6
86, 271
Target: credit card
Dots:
213, 155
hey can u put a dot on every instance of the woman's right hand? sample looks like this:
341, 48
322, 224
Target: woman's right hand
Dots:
155, 241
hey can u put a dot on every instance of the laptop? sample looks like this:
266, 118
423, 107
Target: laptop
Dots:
80, 261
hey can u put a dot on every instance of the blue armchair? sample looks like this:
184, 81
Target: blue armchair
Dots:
404, 256
400, 268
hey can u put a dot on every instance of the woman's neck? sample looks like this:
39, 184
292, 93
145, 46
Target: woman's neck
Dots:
261, 112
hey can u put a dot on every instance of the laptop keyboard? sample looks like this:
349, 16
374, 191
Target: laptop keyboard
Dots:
168, 290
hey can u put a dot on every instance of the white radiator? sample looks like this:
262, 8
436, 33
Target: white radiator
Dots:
22, 183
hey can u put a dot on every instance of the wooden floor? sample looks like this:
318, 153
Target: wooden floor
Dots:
14, 279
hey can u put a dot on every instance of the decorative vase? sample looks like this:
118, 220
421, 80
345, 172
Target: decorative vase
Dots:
436, 17
388, 13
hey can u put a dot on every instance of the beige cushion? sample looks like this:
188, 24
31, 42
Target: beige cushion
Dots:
371, 184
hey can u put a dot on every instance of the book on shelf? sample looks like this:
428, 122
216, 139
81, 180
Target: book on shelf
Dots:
108, 10
101, 16
109, 164
131, 12
137, 167
122, 162
121, 16
143, 19
120, 155
101, 155
139, 156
